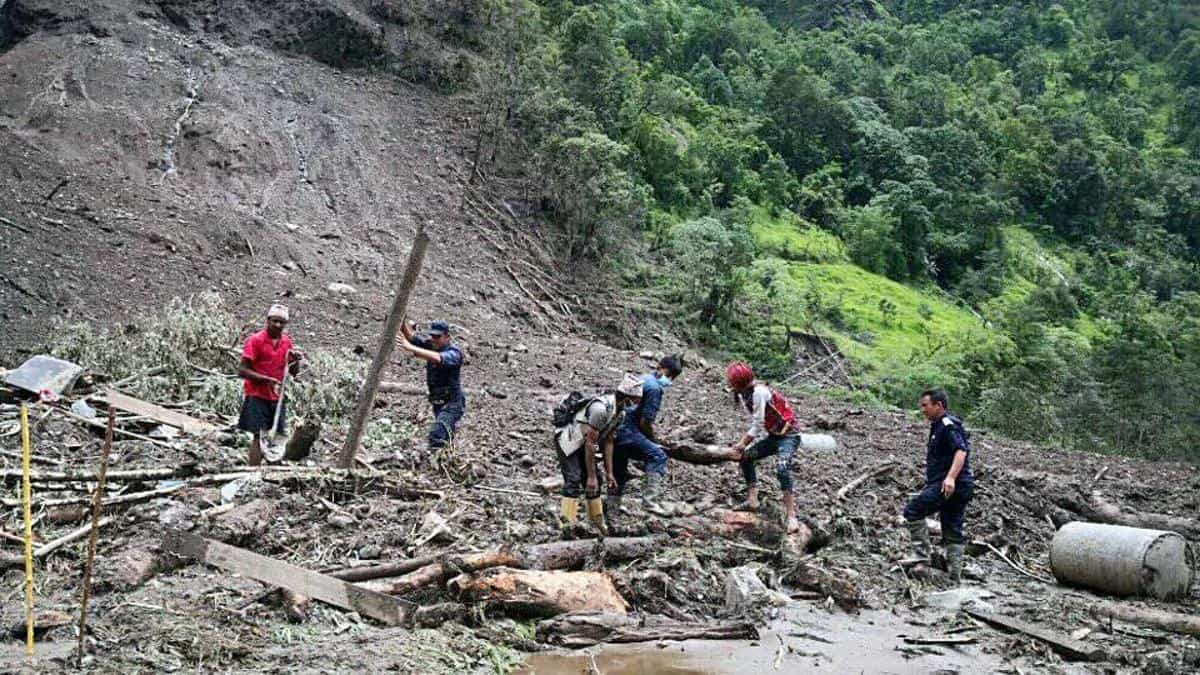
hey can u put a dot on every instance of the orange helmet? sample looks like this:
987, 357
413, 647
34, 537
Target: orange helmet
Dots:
738, 375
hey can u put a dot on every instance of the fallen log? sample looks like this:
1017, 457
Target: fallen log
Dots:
108, 501
55, 544
1060, 643
1184, 624
697, 454
1097, 509
385, 608
558, 555
538, 593
584, 629
369, 572
878, 470
12, 475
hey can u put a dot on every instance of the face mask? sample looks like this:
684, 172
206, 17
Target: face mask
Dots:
664, 381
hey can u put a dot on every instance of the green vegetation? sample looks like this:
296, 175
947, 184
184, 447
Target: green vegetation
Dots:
1000, 198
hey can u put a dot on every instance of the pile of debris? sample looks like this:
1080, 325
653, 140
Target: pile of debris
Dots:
394, 545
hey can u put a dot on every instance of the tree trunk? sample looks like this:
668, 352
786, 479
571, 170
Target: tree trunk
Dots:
387, 341
697, 454
540, 594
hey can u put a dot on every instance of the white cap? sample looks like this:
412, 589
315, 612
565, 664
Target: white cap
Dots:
278, 311
631, 385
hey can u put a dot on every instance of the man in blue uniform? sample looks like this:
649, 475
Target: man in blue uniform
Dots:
948, 483
636, 441
443, 361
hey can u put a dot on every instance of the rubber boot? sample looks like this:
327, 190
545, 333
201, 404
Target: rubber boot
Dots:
918, 532
595, 508
954, 562
652, 494
569, 511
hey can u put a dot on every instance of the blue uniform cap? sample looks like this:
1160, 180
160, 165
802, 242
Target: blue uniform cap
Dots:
439, 328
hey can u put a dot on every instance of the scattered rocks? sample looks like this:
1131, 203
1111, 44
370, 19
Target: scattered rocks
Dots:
551, 485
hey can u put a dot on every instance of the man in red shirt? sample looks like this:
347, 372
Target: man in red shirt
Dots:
264, 357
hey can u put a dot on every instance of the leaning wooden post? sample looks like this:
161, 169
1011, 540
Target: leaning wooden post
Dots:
97, 507
387, 341
27, 503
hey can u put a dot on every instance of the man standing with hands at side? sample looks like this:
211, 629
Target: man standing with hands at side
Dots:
949, 484
443, 362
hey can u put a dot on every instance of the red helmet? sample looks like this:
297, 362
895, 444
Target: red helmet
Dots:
738, 375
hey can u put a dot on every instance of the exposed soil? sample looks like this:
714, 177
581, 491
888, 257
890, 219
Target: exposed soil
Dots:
160, 149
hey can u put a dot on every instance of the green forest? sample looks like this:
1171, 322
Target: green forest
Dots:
1002, 199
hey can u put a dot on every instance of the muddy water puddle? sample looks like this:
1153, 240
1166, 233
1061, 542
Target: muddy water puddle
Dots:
819, 641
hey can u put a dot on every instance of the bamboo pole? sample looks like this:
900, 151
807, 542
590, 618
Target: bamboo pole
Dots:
97, 507
370, 387
27, 497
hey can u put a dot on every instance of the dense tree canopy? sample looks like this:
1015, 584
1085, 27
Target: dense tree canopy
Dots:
1036, 162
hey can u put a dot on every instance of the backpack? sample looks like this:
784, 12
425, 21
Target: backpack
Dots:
782, 418
779, 416
569, 407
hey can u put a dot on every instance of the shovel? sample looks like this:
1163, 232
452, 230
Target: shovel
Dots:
275, 440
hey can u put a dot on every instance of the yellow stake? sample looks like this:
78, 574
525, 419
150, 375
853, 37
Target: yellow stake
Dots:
27, 500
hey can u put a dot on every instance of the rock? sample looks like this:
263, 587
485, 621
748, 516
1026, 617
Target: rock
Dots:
1160, 663
743, 589
369, 552
245, 523
527, 460
82, 409
956, 598
126, 570
340, 520
550, 485
178, 515
338, 288
520, 349
684, 509
646, 355
828, 423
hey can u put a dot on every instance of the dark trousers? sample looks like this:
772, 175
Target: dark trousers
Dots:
952, 511
782, 448
446, 417
633, 445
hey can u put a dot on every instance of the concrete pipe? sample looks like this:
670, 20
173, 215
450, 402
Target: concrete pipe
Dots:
818, 442
1122, 560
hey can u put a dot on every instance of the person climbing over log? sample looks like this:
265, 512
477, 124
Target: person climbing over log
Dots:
265, 355
636, 441
443, 363
949, 484
582, 427
772, 432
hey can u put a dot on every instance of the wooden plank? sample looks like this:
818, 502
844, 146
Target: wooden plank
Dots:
1063, 644
187, 424
391, 611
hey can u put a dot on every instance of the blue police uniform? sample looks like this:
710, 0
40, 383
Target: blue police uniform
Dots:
445, 392
946, 437
631, 443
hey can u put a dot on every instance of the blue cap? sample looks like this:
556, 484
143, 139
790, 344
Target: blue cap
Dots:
439, 328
